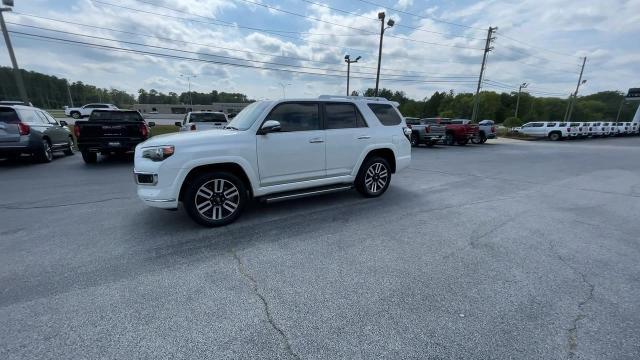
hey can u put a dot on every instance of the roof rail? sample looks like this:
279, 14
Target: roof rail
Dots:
367, 98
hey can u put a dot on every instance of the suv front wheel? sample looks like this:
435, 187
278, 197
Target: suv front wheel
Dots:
374, 177
215, 199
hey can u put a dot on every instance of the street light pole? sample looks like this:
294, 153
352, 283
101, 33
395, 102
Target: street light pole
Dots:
189, 82
381, 16
575, 94
7, 40
522, 86
347, 59
620, 109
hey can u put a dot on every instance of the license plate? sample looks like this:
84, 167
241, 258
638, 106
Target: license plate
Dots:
114, 144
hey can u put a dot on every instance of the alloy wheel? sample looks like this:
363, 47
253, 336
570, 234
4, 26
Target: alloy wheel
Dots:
217, 199
376, 177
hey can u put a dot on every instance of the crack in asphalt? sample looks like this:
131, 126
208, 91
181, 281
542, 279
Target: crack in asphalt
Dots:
10, 207
254, 287
572, 336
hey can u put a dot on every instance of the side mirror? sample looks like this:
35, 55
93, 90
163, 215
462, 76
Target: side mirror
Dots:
178, 123
270, 126
63, 123
152, 124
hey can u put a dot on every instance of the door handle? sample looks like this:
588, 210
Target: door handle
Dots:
364, 137
316, 140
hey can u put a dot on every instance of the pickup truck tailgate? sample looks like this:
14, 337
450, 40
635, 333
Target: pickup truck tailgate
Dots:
111, 130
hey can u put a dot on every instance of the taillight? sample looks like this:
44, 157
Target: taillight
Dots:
24, 129
143, 130
76, 131
193, 127
493, 129
427, 128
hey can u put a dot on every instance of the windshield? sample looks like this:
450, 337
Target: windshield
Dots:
115, 116
207, 117
247, 116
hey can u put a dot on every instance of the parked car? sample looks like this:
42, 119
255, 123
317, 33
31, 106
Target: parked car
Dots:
584, 130
459, 131
486, 130
275, 150
425, 131
608, 129
595, 129
29, 130
203, 120
621, 129
110, 132
552, 130
635, 128
85, 111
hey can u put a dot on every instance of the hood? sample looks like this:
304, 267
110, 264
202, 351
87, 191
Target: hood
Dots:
191, 138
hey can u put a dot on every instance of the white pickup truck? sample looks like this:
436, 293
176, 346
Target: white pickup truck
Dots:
85, 111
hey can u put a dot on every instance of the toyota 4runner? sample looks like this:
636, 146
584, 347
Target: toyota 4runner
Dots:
275, 150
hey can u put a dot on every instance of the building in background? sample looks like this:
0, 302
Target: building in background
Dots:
175, 109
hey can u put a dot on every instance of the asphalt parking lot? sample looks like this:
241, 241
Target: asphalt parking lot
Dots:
513, 249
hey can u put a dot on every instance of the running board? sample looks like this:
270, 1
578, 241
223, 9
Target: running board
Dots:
290, 195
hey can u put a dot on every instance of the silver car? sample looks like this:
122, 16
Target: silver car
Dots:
203, 120
29, 130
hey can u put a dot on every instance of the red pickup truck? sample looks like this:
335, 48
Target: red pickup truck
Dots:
459, 131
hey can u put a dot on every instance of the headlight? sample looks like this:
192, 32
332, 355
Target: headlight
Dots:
158, 153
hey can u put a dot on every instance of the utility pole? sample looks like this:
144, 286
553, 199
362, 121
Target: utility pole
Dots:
487, 49
16, 71
69, 93
620, 109
575, 94
347, 59
284, 86
189, 81
381, 16
522, 86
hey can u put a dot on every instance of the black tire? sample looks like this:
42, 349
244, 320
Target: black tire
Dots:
226, 202
70, 147
415, 140
89, 157
75, 115
431, 143
555, 136
44, 154
449, 139
480, 139
373, 171
463, 142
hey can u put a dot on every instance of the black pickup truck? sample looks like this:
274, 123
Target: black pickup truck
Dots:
110, 132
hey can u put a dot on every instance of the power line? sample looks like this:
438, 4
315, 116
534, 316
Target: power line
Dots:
365, 31
422, 17
227, 57
178, 57
503, 85
398, 25
534, 46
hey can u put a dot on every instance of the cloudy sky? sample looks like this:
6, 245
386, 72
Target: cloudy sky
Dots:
234, 45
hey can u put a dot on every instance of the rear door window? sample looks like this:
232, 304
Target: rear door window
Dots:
386, 113
342, 116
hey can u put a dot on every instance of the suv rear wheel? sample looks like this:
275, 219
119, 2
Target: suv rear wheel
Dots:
89, 157
215, 199
415, 140
45, 153
374, 177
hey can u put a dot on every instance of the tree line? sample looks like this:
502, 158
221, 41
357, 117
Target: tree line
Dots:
501, 106
51, 92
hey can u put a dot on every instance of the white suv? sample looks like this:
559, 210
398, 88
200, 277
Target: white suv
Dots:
275, 150
203, 120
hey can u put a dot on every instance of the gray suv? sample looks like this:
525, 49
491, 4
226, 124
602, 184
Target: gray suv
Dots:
29, 130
